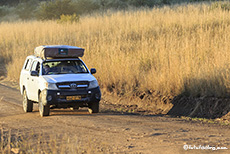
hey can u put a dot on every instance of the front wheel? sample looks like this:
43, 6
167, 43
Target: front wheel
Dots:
26, 103
44, 110
94, 107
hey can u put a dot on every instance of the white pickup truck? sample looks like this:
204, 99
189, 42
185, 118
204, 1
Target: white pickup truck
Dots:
55, 77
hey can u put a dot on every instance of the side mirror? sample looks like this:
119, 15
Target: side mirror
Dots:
93, 70
34, 73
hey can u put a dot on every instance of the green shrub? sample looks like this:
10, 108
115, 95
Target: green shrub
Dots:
54, 9
69, 18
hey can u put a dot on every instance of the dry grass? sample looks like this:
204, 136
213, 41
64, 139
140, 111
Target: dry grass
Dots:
30, 142
173, 51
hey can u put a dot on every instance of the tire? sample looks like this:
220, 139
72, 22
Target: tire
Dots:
94, 107
44, 110
26, 103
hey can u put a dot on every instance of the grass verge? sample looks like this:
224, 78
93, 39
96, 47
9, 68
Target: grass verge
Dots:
25, 142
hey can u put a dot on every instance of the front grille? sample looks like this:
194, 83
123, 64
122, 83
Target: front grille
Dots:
73, 85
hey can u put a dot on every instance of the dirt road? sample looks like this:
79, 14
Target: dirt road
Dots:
111, 132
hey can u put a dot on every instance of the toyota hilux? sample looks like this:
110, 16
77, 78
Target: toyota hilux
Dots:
55, 77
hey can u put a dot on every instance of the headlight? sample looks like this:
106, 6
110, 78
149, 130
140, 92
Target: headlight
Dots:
51, 86
93, 84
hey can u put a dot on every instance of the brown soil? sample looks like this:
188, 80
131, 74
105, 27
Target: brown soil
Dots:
115, 128
203, 107
155, 104
2, 69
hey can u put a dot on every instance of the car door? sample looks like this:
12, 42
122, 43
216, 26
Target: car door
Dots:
24, 77
33, 82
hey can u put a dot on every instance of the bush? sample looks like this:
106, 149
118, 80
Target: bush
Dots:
54, 9
149, 3
69, 18
222, 5
120, 4
3, 11
26, 9
9, 3
86, 6
107, 4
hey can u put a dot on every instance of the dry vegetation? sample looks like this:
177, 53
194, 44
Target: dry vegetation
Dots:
30, 142
171, 51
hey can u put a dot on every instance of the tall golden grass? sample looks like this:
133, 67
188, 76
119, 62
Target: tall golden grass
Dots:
170, 50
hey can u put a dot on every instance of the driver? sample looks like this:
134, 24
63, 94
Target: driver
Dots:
46, 69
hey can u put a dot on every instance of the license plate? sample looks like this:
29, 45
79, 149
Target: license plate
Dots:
72, 98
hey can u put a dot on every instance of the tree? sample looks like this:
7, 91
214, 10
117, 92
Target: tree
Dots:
54, 9
26, 9
10, 3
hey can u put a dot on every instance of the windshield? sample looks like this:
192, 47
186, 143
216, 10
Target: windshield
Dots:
63, 67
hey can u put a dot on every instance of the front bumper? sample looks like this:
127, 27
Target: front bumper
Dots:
59, 97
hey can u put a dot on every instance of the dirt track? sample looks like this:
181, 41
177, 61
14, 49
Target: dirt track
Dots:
117, 132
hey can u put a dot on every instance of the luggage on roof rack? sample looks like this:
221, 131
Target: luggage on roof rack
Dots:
58, 51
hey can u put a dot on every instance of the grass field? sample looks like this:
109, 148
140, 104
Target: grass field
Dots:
169, 50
